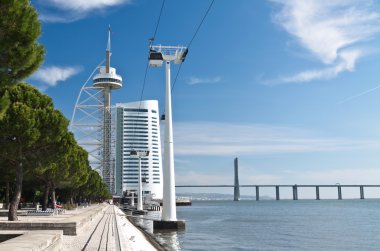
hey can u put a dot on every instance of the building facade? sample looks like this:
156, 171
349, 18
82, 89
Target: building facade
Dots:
138, 129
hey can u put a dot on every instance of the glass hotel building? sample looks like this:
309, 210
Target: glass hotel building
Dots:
138, 128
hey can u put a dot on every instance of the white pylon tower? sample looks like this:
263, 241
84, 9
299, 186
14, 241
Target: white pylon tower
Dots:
92, 119
159, 54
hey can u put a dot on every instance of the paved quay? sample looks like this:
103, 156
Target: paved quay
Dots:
98, 227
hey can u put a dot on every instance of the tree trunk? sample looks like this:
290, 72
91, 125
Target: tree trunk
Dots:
53, 195
46, 197
71, 198
7, 195
12, 213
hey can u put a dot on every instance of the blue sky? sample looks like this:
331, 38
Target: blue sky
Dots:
289, 87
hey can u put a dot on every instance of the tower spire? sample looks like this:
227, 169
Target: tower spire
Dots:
109, 38
108, 51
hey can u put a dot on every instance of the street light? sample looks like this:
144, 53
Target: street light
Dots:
139, 154
157, 55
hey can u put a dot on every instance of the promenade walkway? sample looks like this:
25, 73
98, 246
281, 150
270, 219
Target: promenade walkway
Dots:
99, 227
111, 231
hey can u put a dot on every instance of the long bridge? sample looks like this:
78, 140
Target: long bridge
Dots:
295, 189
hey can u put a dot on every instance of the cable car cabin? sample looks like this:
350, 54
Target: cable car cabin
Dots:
181, 56
155, 58
163, 117
133, 153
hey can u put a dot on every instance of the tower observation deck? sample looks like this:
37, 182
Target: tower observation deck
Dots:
92, 118
108, 80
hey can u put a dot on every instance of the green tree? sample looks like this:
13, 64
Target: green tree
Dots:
95, 188
20, 53
29, 129
79, 171
5, 175
66, 167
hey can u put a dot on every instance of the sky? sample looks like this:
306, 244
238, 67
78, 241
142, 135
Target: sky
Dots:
288, 87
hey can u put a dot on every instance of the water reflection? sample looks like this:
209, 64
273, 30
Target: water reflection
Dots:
170, 240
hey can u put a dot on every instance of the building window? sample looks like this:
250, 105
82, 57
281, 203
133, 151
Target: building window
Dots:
136, 117
135, 110
135, 124
107, 80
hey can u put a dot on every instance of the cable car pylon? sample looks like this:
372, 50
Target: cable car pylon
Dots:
157, 55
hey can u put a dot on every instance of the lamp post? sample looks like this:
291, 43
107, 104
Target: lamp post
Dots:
139, 154
132, 199
158, 55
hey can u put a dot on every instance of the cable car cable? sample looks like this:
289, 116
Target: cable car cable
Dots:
159, 18
199, 26
192, 39
147, 66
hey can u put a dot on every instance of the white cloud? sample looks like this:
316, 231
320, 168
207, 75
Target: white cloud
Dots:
84, 5
342, 176
196, 178
346, 63
50, 76
196, 80
64, 11
328, 30
60, 18
213, 139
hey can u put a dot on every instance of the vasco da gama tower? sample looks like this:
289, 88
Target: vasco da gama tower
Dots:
108, 80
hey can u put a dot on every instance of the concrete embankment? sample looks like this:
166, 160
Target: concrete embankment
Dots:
71, 222
47, 240
138, 238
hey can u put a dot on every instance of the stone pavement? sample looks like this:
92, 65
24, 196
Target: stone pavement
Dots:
71, 222
102, 227
111, 231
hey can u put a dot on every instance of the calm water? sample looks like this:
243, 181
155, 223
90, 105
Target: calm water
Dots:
276, 225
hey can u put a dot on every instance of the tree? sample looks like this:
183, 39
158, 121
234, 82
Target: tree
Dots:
29, 128
20, 52
79, 171
64, 165
5, 175
95, 188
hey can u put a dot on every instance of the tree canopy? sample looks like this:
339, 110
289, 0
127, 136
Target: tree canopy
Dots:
29, 128
20, 52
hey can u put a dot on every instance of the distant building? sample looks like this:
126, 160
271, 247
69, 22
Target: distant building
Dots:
138, 128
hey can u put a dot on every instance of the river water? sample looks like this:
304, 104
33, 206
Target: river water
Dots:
275, 225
